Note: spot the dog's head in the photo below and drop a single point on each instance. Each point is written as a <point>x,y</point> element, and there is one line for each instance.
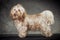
<point>17,12</point>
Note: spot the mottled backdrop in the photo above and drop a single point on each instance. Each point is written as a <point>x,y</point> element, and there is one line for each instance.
<point>31,6</point>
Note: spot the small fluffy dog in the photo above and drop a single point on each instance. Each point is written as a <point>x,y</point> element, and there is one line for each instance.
<point>25,22</point>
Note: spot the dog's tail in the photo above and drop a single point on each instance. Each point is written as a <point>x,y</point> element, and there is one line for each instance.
<point>49,15</point>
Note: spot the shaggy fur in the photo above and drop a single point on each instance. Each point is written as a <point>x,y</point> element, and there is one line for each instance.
<point>25,22</point>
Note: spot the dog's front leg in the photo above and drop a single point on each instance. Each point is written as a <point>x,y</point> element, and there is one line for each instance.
<point>22,31</point>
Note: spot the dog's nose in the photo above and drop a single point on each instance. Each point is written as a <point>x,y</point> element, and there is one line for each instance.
<point>14,14</point>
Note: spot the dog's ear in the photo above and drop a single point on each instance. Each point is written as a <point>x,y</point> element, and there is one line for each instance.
<point>24,15</point>
<point>11,15</point>
<point>21,9</point>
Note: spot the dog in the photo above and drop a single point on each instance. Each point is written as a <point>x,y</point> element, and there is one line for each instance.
<point>25,22</point>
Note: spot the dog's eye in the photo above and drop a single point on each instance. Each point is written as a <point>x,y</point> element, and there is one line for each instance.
<point>14,9</point>
<point>19,10</point>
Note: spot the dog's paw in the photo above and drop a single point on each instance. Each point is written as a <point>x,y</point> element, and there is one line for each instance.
<point>22,34</point>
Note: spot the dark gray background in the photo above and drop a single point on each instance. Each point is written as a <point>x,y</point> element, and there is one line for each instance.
<point>31,6</point>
